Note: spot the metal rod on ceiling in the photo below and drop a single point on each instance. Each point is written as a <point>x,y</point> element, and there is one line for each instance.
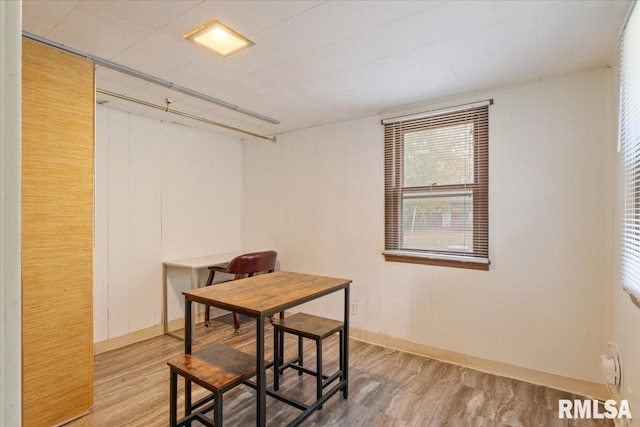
<point>151,79</point>
<point>183,114</point>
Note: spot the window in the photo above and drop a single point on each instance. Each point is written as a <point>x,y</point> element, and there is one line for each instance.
<point>630,146</point>
<point>436,187</point>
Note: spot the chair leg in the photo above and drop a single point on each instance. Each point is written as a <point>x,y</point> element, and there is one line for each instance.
<point>206,307</point>
<point>210,278</point>
<point>206,316</point>
<point>236,316</point>
<point>236,323</point>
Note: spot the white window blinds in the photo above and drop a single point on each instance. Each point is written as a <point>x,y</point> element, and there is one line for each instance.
<point>436,187</point>
<point>630,145</point>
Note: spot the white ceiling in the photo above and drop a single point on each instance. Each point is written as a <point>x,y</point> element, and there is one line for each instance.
<point>317,62</point>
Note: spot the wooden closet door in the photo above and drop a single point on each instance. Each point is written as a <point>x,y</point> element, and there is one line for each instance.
<point>57,234</point>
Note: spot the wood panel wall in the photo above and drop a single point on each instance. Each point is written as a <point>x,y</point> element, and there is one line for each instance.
<point>57,234</point>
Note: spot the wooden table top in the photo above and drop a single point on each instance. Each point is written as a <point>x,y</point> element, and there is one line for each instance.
<point>266,294</point>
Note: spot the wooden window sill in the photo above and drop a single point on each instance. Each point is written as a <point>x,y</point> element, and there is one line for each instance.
<point>442,262</point>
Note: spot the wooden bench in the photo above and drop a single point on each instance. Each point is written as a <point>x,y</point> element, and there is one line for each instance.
<point>217,368</point>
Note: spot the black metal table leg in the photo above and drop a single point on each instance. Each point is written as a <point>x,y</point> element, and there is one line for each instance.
<point>187,326</point>
<point>261,375</point>
<point>345,347</point>
<point>218,411</point>
<point>281,338</point>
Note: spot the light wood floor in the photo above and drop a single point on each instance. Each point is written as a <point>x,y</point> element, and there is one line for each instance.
<point>386,388</point>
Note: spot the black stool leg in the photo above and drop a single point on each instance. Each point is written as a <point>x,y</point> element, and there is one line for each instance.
<point>276,359</point>
<point>341,353</point>
<point>173,399</point>
<point>300,356</point>
<point>319,370</point>
<point>187,400</point>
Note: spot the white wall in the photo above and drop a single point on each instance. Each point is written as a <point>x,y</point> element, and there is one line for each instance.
<point>317,196</point>
<point>163,192</point>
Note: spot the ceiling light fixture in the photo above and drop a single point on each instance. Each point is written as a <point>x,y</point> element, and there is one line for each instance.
<point>219,38</point>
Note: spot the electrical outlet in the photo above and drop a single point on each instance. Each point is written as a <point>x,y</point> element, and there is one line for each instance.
<point>614,350</point>
<point>354,308</point>
<point>613,375</point>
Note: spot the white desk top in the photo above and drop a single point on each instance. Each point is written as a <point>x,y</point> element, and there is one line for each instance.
<point>202,261</point>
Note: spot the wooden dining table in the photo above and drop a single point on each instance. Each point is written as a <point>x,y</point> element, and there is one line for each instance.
<point>261,297</point>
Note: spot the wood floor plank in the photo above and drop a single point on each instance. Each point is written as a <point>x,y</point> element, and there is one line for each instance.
<point>387,388</point>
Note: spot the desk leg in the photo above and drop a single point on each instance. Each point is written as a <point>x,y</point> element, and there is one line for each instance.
<point>261,378</point>
<point>345,390</point>
<point>165,303</point>
<point>187,326</point>
<point>165,314</point>
<point>194,284</point>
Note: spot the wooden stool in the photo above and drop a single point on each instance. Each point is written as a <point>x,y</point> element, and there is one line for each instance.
<point>311,327</point>
<point>217,368</point>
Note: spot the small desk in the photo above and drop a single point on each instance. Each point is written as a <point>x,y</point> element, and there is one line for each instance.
<point>194,264</point>
<point>263,296</point>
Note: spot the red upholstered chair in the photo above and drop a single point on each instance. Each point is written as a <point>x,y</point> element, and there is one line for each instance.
<point>245,265</point>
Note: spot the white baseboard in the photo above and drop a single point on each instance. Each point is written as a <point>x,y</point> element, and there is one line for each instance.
<point>572,385</point>
<point>145,334</point>
<point>559,382</point>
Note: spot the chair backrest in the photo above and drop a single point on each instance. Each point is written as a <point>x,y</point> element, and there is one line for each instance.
<point>254,262</point>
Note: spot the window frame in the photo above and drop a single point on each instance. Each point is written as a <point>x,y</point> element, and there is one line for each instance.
<point>396,190</point>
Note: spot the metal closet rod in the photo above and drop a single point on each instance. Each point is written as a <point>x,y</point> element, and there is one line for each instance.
<point>151,79</point>
<point>180,113</point>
